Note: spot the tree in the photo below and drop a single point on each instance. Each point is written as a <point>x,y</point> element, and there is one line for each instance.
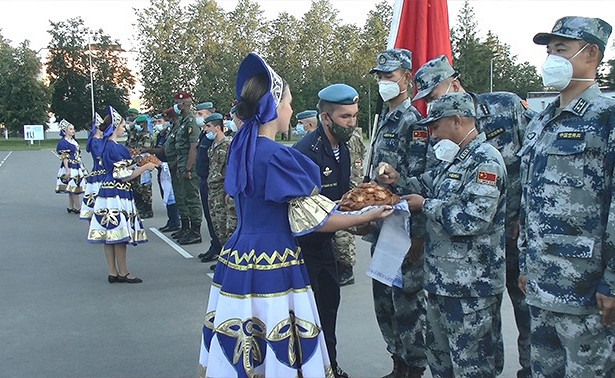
<point>23,95</point>
<point>472,58</point>
<point>163,37</point>
<point>68,67</point>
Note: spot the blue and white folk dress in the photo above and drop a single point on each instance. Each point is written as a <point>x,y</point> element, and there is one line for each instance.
<point>94,179</point>
<point>115,219</point>
<point>261,318</point>
<point>76,183</point>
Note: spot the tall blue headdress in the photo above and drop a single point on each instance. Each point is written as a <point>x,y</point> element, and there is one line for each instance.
<point>63,125</point>
<point>95,123</point>
<point>116,120</point>
<point>240,164</point>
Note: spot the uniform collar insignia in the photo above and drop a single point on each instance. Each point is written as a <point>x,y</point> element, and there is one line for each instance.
<point>580,106</point>
<point>327,171</point>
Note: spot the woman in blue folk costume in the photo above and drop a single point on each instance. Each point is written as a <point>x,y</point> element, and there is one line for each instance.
<point>261,318</point>
<point>72,173</point>
<point>115,221</point>
<point>94,146</point>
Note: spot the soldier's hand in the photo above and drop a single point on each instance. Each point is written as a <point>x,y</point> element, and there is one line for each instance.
<point>415,202</point>
<point>188,175</point>
<point>606,308</point>
<point>386,174</point>
<point>523,284</point>
<point>416,250</point>
<point>150,166</point>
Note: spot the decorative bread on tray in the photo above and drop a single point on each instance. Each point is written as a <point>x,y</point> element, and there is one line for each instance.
<point>367,194</point>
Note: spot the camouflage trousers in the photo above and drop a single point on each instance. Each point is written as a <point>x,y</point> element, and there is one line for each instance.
<point>223,216</point>
<point>400,313</point>
<point>344,248</point>
<point>566,345</point>
<point>191,201</point>
<point>520,310</point>
<point>460,336</point>
<point>143,196</point>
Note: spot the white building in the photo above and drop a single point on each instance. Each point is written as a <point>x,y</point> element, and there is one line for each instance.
<point>539,100</point>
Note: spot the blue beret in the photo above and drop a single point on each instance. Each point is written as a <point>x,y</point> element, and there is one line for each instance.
<point>342,94</point>
<point>205,105</point>
<point>214,117</point>
<point>307,114</point>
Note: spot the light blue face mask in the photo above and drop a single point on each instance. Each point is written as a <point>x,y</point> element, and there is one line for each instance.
<point>176,109</point>
<point>300,129</point>
<point>139,128</point>
<point>167,124</point>
<point>158,127</point>
<point>200,121</point>
<point>210,136</point>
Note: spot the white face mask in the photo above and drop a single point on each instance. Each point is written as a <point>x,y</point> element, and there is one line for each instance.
<point>158,127</point>
<point>557,71</point>
<point>200,121</point>
<point>389,89</point>
<point>446,149</point>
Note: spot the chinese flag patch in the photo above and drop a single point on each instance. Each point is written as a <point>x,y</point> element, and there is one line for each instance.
<point>525,105</point>
<point>420,135</point>
<point>487,178</point>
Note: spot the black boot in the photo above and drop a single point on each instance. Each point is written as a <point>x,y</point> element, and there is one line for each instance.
<point>173,219</point>
<point>183,231</point>
<point>193,237</point>
<point>345,273</point>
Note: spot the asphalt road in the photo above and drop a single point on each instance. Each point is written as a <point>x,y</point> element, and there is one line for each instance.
<point>60,318</point>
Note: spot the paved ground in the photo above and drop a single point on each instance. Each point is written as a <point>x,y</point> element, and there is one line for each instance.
<point>60,318</point>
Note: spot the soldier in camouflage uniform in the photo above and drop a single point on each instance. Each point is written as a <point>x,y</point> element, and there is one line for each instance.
<point>567,240</point>
<point>344,241</point>
<point>464,199</point>
<point>402,144</point>
<point>223,215</point>
<point>503,117</point>
<point>186,141</point>
<point>142,139</point>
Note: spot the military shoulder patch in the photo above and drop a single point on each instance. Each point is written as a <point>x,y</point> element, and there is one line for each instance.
<point>487,178</point>
<point>525,105</point>
<point>190,130</point>
<point>574,135</point>
<point>421,135</point>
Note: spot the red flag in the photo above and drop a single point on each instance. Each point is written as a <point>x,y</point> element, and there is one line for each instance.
<point>421,26</point>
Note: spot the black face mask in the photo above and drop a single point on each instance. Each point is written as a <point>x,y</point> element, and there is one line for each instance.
<point>340,133</point>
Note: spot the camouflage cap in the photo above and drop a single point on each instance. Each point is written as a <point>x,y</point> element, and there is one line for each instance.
<point>461,104</point>
<point>430,75</point>
<point>590,30</point>
<point>393,59</point>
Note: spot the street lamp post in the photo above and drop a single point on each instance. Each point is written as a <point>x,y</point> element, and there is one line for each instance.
<point>91,75</point>
<point>491,75</point>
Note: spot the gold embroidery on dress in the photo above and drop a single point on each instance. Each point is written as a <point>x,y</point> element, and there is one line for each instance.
<point>246,346</point>
<point>250,260</point>
<point>293,328</point>
<point>108,216</point>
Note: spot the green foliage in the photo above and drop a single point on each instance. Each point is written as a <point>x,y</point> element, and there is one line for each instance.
<point>198,48</point>
<point>23,96</point>
<point>68,67</point>
<point>472,58</point>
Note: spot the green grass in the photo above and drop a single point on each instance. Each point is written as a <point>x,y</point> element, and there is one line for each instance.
<point>16,144</point>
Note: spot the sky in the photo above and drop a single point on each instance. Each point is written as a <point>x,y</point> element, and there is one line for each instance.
<point>515,22</point>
